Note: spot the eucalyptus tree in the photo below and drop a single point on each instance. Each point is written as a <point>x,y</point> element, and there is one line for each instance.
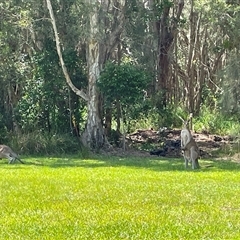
<point>167,16</point>
<point>230,76</point>
<point>13,18</point>
<point>105,23</point>
<point>123,86</point>
<point>204,44</point>
<point>33,91</point>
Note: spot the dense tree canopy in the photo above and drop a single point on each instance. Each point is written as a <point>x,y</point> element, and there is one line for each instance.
<point>188,49</point>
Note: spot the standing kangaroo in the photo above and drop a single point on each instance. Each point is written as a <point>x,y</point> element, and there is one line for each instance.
<point>7,152</point>
<point>188,145</point>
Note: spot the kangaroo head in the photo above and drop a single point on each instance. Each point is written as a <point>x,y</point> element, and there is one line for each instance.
<point>185,123</point>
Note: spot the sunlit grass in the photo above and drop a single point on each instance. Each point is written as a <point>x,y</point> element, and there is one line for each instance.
<point>119,198</point>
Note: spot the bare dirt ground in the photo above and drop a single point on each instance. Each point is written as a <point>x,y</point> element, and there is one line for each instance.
<point>166,142</point>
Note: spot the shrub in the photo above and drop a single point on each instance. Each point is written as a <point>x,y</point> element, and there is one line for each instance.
<point>216,123</point>
<point>37,143</point>
<point>3,130</point>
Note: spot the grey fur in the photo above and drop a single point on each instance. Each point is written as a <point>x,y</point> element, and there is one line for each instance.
<point>7,152</point>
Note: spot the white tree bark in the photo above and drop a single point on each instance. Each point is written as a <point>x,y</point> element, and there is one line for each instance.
<point>67,77</point>
<point>93,135</point>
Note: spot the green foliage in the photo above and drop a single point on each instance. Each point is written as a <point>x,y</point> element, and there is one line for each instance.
<point>114,138</point>
<point>213,121</point>
<point>3,130</point>
<point>155,118</point>
<point>37,143</point>
<point>124,83</point>
<point>229,102</point>
<point>13,65</point>
<point>119,198</point>
<point>34,92</point>
<point>76,67</point>
<point>45,93</point>
<point>47,100</point>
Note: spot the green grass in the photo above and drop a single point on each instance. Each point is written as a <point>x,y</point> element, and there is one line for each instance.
<point>119,198</point>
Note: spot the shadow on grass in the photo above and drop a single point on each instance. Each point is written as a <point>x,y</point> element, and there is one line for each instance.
<point>131,162</point>
<point>151,163</point>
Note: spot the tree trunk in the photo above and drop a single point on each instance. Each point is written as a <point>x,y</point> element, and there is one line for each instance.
<point>108,122</point>
<point>166,32</point>
<point>118,120</point>
<point>93,135</point>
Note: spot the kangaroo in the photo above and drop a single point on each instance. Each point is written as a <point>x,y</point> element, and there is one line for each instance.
<point>188,145</point>
<point>7,152</point>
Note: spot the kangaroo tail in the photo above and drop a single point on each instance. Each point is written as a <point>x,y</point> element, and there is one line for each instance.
<point>20,160</point>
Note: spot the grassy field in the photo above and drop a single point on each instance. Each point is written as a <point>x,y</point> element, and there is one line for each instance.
<point>119,198</point>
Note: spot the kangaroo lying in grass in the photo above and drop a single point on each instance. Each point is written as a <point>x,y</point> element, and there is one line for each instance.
<point>188,145</point>
<point>7,152</point>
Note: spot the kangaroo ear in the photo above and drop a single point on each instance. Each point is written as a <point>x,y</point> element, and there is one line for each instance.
<point>180,118</point>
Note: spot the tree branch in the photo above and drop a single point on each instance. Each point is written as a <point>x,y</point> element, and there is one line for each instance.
<point>67,77</point>
<point>113,39</point>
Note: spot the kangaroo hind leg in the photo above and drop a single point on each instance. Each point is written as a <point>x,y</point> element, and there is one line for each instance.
<point>194,158</point>
<point>10,158</point>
